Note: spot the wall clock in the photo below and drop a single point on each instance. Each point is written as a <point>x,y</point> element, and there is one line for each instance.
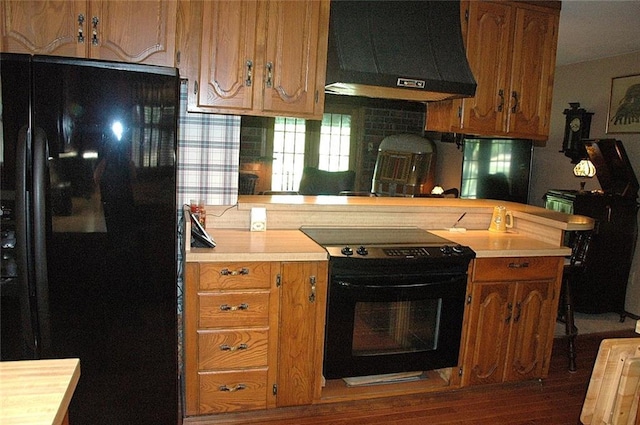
<point>576,129</point>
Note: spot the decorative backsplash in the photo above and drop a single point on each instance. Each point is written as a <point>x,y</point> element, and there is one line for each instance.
<point>208,156</point>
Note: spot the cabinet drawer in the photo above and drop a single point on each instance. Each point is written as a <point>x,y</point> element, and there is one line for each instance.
<point>232,349</point>
<point>222,310</point>
<point>235,275</point>
<point>515,269</point>
<point>233,391</point>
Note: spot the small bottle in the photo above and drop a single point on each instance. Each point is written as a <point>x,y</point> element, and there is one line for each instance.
<point>195,209</point>
<point>202,214</point>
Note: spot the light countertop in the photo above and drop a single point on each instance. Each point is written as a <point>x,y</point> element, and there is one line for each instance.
<point>508,244</point>
<point>37,392</point>
<point>293,245</point>
<point>272,245</point>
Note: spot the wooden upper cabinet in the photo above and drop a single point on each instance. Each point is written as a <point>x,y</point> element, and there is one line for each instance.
<point>489,54</point>
<point>228,56</point>
<point>511,48</point>
<point>41,27</point>
<point>255,57</point>
<point>295,65</point>
<point>534,51</point>
<point>134,31</point>
<point>126,31</point>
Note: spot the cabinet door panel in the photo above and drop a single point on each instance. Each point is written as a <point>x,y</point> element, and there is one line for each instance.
<point>43,27</point>
<point>291,56</point>
<point>301,304</point>
<point>134,31</point>
<point>489,37</point>
<point>529,331</point>
<point>228,61</point>
<point>532,73</point>
<point>488,334</point>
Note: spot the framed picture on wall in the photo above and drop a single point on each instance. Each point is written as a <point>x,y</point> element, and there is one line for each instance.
<point>624,105</point>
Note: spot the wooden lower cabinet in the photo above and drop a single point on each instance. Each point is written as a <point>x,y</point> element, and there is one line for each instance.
<point>250,335</point>
<point>254,331</point>
<point>511,314</point>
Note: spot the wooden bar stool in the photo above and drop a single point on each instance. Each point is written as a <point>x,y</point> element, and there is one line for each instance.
<point>574,266</point>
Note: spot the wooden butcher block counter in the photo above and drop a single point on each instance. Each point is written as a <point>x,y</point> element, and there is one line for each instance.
<point>37,392</point>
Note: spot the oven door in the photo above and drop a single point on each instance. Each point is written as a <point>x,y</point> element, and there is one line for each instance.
<point>393,323</point>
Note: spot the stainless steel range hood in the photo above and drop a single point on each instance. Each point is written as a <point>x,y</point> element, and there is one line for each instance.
<point>407,50</point>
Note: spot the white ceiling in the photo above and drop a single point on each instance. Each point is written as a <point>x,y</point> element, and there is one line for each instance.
<point>595,29</point>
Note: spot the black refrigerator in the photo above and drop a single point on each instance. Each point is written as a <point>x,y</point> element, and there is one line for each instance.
<point>89,230</point>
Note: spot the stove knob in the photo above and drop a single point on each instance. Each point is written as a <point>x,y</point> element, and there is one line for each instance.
<point>347,251</point>
<point>446,250</point>
<point>362,251</point>
<point>458,249</point>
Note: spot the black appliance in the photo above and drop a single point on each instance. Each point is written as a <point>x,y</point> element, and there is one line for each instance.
<point>602,287</point>
<point>404,50</point>
<point>395,302</point>
<point>89,230</point>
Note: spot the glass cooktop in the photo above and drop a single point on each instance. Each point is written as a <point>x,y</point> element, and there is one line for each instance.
<point>371,236</point>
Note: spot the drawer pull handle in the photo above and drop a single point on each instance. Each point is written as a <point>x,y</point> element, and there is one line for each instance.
<point>233,389</point>
<point>227,307</point>
<point>227,272</point>
<point>225,347</point>
<point>518,265</point>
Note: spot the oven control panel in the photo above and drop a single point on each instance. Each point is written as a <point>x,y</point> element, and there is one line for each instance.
<point>440,251</point>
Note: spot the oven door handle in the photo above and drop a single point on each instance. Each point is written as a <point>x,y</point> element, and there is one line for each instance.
<point>348,285</point>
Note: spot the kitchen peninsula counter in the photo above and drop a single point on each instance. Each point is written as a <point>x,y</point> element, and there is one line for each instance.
<point>293,245</point>
<point>536,231</point>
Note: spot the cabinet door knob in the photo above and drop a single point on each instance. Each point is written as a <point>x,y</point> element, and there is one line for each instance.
<point>248,80</point>
<point>269,82</point>
<point>514,108</point>
<point>94,36</point>
<point>501,96</point>
<point>81,28</point>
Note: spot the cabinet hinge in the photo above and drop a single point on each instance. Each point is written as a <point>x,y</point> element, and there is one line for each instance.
<point>460,372</point>
<point>469,299</point>
<point>275,389</point>
<point>317,96</point>
<point>466,15</point>
<point>178,58</point>
<point>459,111</point>
<point>278,279</point>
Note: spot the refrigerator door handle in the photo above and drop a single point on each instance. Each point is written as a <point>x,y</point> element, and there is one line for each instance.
<point>40,184</point>
<point>28,315</point>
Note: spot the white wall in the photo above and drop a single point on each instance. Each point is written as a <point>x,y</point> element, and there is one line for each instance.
<point>588,83</point>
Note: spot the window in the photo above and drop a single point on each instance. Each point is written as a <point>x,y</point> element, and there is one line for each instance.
<point>298,143</point>
<point>496,169</point>
<point>289,138</point>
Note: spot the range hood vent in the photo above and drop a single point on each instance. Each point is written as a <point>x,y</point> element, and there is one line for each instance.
<point>406,50</point>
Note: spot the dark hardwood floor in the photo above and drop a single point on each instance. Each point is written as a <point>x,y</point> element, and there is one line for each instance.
<point>556,400</point>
